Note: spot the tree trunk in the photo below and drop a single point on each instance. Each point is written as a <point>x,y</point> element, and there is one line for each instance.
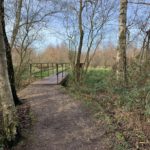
<point>17,23</point>
<point>78,69</point>
<point>6,99</point>
<point>148,46</point>
<point>121,51</point>
<point>10,65</point>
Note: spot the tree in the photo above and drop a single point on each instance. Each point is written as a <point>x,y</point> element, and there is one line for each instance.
<point>121,51</point>
<point>81,32</point>
<point>145,52</point>
<point>85,21</point>
<point>17,22</point>
<point>6,98</point>
<point>141,3</point>
<point>9,55</point>
<point>30,18</point>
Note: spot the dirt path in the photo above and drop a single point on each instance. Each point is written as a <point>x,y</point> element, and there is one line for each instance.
<point>61,123</point>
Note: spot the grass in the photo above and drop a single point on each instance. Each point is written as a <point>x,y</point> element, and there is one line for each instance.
<point>120,108</point>
<point>96,79</point>
<point>42,74</point>
<point>45,73</point>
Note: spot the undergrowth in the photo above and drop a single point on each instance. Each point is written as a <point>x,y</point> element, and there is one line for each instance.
<point>126,111</point>
<point>25,120</point>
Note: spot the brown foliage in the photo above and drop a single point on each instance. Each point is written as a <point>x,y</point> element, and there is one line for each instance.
<point>55,54</point>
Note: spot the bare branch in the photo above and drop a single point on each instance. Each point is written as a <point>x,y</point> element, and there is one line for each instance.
<point>140,3</point>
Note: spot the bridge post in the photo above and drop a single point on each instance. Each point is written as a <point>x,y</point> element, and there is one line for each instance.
<point>30,67</point>
<point>41,70</point>
<point>48,69</point>
<point>62,70</point>
<point>30,70</point>
<point>53,68</point>
<point>57,72</point>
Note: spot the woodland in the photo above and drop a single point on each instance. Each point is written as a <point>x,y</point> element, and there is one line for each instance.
<point>105,43</point>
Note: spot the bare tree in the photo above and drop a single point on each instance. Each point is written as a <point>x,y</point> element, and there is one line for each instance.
<point>145,51</point>
<point>81,32</point>
<point>30,18</point>
<point>27,33</point>
<point>8,52</point>
<point>139,2</point>
<point>100,15</point>
<point>84,23</point>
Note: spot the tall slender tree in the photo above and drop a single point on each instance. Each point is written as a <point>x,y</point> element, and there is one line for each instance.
<point>9,60</point>
<point>84,21</point>
<point>78,72</point>
<point>121,51</point>
<point>7,106</point>
<point>17,22</point>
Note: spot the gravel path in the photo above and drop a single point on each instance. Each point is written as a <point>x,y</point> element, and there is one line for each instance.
<point>61,122</point>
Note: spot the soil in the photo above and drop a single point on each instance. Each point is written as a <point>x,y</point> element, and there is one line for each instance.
<point>60,122</point>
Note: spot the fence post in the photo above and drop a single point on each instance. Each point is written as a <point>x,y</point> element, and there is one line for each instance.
<point>62,70</point>
<point>52,67</point>
<point>48,69</point>
<point>30,70</point>
<point>57,72</point>
<point>41,71</point>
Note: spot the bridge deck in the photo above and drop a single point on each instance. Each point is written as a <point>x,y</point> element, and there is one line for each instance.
<point>52,80</point>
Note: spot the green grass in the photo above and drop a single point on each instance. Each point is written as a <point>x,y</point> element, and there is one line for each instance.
<point>45,73</point>
<point>104,96</point>
<point>95,82</point>
<point>97,79</point>
<point>102,81</point>
<point>94,93</point>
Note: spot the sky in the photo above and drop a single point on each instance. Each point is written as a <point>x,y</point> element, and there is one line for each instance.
<point>54,32</point>
<point>53,35</point>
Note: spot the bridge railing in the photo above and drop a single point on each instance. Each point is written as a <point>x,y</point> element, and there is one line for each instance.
<point>61,69</point>
<point>40,70</point>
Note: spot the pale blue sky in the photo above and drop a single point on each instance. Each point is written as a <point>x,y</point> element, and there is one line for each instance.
<point>54,34</point>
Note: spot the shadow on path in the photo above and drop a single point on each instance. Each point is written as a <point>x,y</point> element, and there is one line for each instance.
<point>61,122</point>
